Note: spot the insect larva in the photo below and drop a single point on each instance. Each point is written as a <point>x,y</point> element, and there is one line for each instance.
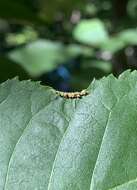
<point>72,95</point>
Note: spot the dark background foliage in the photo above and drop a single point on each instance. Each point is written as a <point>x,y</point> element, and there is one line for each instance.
<point>65,44</point>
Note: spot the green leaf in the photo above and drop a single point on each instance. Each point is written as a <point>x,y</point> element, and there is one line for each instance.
<point>48,142</point>
<point>120,41</point>
<point>43,55</point>
<point>32,125</point>
<point>91,32</point>
<point>74,50</point>
<point>102,65</point>
<point>28,34</point>
<point>129,36</point>
<point>113,44</point>
<point>39,56</point>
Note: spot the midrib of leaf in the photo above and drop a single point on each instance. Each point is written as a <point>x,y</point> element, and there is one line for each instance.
<point>100,146</point>
<point>101,143</point>
<point>23,132</point>
<point>10,159</point>
<point>52,171</point>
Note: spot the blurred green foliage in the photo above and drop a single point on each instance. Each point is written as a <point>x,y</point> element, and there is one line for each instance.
<point>91,32</point>
<point>44,55</point>
<point>69,41</point>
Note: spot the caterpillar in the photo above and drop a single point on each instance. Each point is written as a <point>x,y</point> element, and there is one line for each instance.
<point>72,95</point>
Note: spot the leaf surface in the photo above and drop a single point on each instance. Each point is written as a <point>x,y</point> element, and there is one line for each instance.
<point>49,142</point>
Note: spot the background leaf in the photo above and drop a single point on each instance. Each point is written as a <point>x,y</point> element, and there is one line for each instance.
<point>91,32</point>
<point>39,56</point>
<point>129,37</point>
